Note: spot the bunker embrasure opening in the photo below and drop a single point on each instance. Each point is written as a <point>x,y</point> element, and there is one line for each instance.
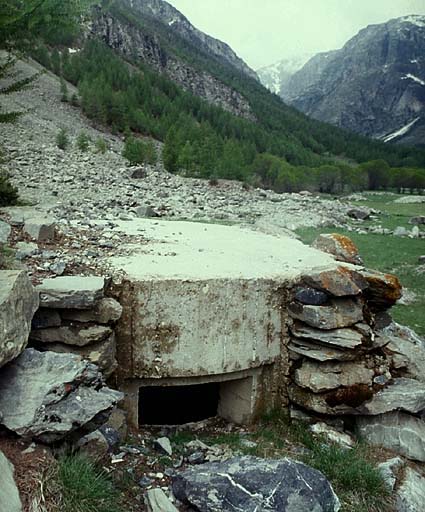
<point>176,405</point>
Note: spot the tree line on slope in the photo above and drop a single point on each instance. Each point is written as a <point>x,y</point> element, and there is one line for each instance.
<point>202,140</point>
<point>303,134</point>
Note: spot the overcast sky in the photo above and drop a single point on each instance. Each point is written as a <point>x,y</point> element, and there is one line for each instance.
<point>265,31</point>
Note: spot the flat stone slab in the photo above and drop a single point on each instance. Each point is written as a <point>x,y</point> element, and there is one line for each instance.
<point>72,335</point>
<point>401,394</point>
<point>319,377</point>
<point>191,250</point>
<point>339,313</point>
<point>342,338</point>
<point>320,352</point>
<point>71,292</point>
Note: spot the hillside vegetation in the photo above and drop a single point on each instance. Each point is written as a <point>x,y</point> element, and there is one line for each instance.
<point>283,150</point>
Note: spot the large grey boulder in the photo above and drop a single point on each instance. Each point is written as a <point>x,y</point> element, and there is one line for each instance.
<point>254,485</point>
<point>47,396</point>
<point>71,292</point>
<point>397,431</point>
<point>18,303</point>
<point>411,493</point>
<point>9,494</point>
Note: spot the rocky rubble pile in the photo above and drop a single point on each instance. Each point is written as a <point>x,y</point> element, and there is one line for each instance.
<point>75,317</point>
<point>350,360</point>
<point>48,395</point>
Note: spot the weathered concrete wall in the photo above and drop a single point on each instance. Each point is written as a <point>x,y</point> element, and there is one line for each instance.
<point>193,328</point>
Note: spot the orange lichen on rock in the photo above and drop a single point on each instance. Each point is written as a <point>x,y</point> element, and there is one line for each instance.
<point>340,246</point>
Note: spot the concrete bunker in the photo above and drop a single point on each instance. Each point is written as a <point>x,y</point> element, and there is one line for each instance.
<point>205,314</point>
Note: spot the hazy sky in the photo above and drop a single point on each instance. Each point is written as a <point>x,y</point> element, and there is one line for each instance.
<point>265,31</point>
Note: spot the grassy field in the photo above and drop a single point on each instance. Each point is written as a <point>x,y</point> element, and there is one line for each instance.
<point>387,253</point>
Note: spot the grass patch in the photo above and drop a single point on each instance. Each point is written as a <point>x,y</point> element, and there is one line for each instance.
<point>387,253</point>
<point>352,473</point>
<point>84,487</point>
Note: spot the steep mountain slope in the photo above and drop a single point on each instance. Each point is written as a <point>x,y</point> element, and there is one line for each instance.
<point>142,30</point>
<point>374,85</point>
<point>144,34</point>
<point>174,19</point>
<point>276,76</point>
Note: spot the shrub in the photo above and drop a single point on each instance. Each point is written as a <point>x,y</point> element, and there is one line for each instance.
<point>101,145</point>
<point>83,141</point>
<point>62,140</point>
<point>8,193</point>
<point>74,100</point>
<point>138,152</point>
<point>84,487</point>
<point>64,91</point>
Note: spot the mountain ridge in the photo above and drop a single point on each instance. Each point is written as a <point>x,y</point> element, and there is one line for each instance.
<point>374,85</point>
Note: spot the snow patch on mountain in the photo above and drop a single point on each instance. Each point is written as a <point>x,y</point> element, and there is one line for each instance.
<point>415,19</point>
<point>414,78</point>
<point>400,132</point>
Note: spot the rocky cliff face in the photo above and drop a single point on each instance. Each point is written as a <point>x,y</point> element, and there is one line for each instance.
<point>374,85</point>
<point>171,17</point>
<point>133,41</point>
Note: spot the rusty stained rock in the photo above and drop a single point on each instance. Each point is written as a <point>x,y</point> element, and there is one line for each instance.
<point>338,402</point>
<point>383,290</point>
<point>339,313</point>
<point>340,246</point>
<point>361,399</point>
<point>341,282</point>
